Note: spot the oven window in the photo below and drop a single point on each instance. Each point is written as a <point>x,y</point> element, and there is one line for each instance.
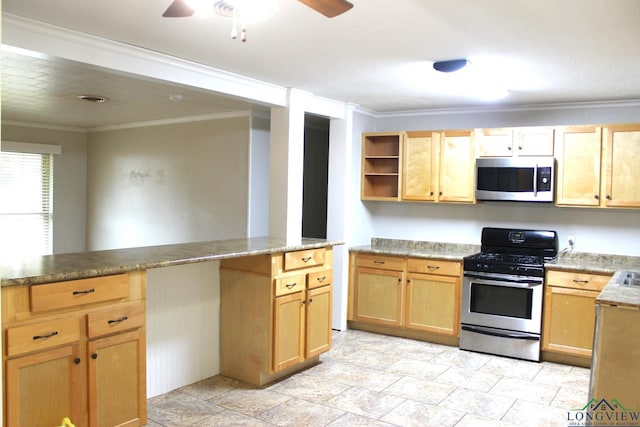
<point>509,179</point>
<point>501,300</point>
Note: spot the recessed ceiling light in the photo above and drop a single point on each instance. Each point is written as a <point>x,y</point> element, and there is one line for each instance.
<point>93,98</point>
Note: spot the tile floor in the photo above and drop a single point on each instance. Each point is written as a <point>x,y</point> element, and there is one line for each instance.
<point>375,380</point>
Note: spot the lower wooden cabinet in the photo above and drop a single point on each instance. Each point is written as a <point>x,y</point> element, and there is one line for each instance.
<point>406,293</point>
<point>44,387</point>
<point>569,311</point>
<point>275,314</point>
<point>85,361</point>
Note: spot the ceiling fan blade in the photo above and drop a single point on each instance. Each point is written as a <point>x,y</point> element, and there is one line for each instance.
<point>178,9</point>
<point>328,8</point>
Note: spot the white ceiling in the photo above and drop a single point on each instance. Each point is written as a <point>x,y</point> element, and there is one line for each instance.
<point>377,55</point>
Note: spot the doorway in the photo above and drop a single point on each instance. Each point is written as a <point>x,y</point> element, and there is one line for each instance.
<point>315,176</point>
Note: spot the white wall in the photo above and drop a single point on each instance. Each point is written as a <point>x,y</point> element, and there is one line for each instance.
<point>613,231</point>
<point>165,184</point>
<point>69,181</point>
<point>259,177</point>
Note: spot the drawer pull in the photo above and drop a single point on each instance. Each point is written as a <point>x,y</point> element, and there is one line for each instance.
<point>88,291</point>
<point>378,262</point>
<point>321,279</point>
<point>41,337</point>
<point>580,281</point>
<point>77,360</point>
<point>120,320</point>
<point>433,267</point>
<point>306,259</point>
<point>291,285</point>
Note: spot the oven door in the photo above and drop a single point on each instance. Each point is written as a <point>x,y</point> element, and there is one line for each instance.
<point>502,301</point>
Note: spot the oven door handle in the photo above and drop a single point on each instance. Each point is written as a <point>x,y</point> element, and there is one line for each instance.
<point>505,334</point>
<point>503,281</point>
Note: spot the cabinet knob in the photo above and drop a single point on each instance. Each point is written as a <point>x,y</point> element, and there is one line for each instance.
<point>94,356</point>
<point>596,197</point>
<point>509,148</point>
<point>608,196</point>
<point>440,193</point>
<point>76,360</point>
<point>520,147</point>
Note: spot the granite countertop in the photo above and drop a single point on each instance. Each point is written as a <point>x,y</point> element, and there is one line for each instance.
<point>80,265</point>
<point>621,295</point>
<point>417,249</point>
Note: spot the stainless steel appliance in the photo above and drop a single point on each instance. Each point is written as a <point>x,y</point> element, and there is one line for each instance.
<point>522,179</point>
<point>502,292</point>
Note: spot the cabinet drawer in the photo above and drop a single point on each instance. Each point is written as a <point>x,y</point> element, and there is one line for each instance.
<point>118,319</point>
<point>432,266</point>
<point>72,293</point>
<point>290,284</point>
<point>42,335</point>
<point>320,278</point>
<point>577,280</point>
<point>302,259</point>
<point>380,261</point>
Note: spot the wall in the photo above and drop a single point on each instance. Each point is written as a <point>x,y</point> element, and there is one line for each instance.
<point>259,177</point>
<point>69,181</point>
<point>596,230</point>
<point>168,184</point>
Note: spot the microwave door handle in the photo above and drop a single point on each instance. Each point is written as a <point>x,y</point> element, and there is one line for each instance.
<point>535,181</point>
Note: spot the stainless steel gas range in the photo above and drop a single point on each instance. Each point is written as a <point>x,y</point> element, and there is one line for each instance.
<point>502,292</point>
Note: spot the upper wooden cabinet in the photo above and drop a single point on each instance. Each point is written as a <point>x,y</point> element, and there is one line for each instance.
<point>438,166</point>
<point>577,151</point>
<point>620,160</point>
<point>381,153</point>
<point>597,166</point>
<point>510,142</point>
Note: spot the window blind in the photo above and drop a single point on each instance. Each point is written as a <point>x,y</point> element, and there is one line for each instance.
<point>25,204</point>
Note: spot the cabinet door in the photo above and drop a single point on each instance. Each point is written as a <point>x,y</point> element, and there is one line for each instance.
<point>318,321</point>
<point>419,166</point>
<point>433,303</point>
<point>457,166</point>
<point>578,151</point>
<point>533,141</point>
<point>622,150</point>
<point>117,380</point>
<point>43,388</point>
<point>378,296</point>
<point>495,142</point>
<point>288,338</point>
<point>569,319</point>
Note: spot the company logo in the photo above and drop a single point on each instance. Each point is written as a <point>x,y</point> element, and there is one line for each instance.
<point>603,413</point>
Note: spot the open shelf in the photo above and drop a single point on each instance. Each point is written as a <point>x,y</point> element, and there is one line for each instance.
<point>381,165</point>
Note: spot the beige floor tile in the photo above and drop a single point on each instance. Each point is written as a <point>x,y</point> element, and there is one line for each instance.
<point>570,399</point>
<point>526,390</point>
<point>354,375</point>
<point>417,368</point>
<point>371,358</point>
<point>473,380</point>
<point>351,420</point>
<point>298,412</point>
<point>512,368</point>
<point>563,378</point>
<point>479,403</point>
<point>365,402</point>
<point>229,418</point>
<point>308,387</point>
<point>250,401</point>
<point>532,414</point>
<point>211,387</point>
<point>179,409</point>
<point>472,420</point>
<point>461,359</point>
<point>420,389</point>
<point>418,414</point>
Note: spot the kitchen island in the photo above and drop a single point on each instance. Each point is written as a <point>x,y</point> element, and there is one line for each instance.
<point>159,308</point>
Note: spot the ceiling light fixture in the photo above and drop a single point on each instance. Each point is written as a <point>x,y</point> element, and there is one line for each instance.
<point>93,98</point>
<point>450,66</point>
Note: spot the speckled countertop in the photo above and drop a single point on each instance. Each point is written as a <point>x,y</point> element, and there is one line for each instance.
<point>417,249</point>
<point>568,261</point>
<point>53,268</point>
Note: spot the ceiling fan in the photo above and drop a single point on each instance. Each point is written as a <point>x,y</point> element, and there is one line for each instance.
<point>329,8</point>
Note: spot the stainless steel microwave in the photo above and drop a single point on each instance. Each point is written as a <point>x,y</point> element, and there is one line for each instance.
<point>521,179</point>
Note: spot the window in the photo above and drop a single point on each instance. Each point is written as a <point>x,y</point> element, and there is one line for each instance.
<point>26,215</point>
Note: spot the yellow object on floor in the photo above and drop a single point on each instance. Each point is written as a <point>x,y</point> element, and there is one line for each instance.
<point>66,422</point>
